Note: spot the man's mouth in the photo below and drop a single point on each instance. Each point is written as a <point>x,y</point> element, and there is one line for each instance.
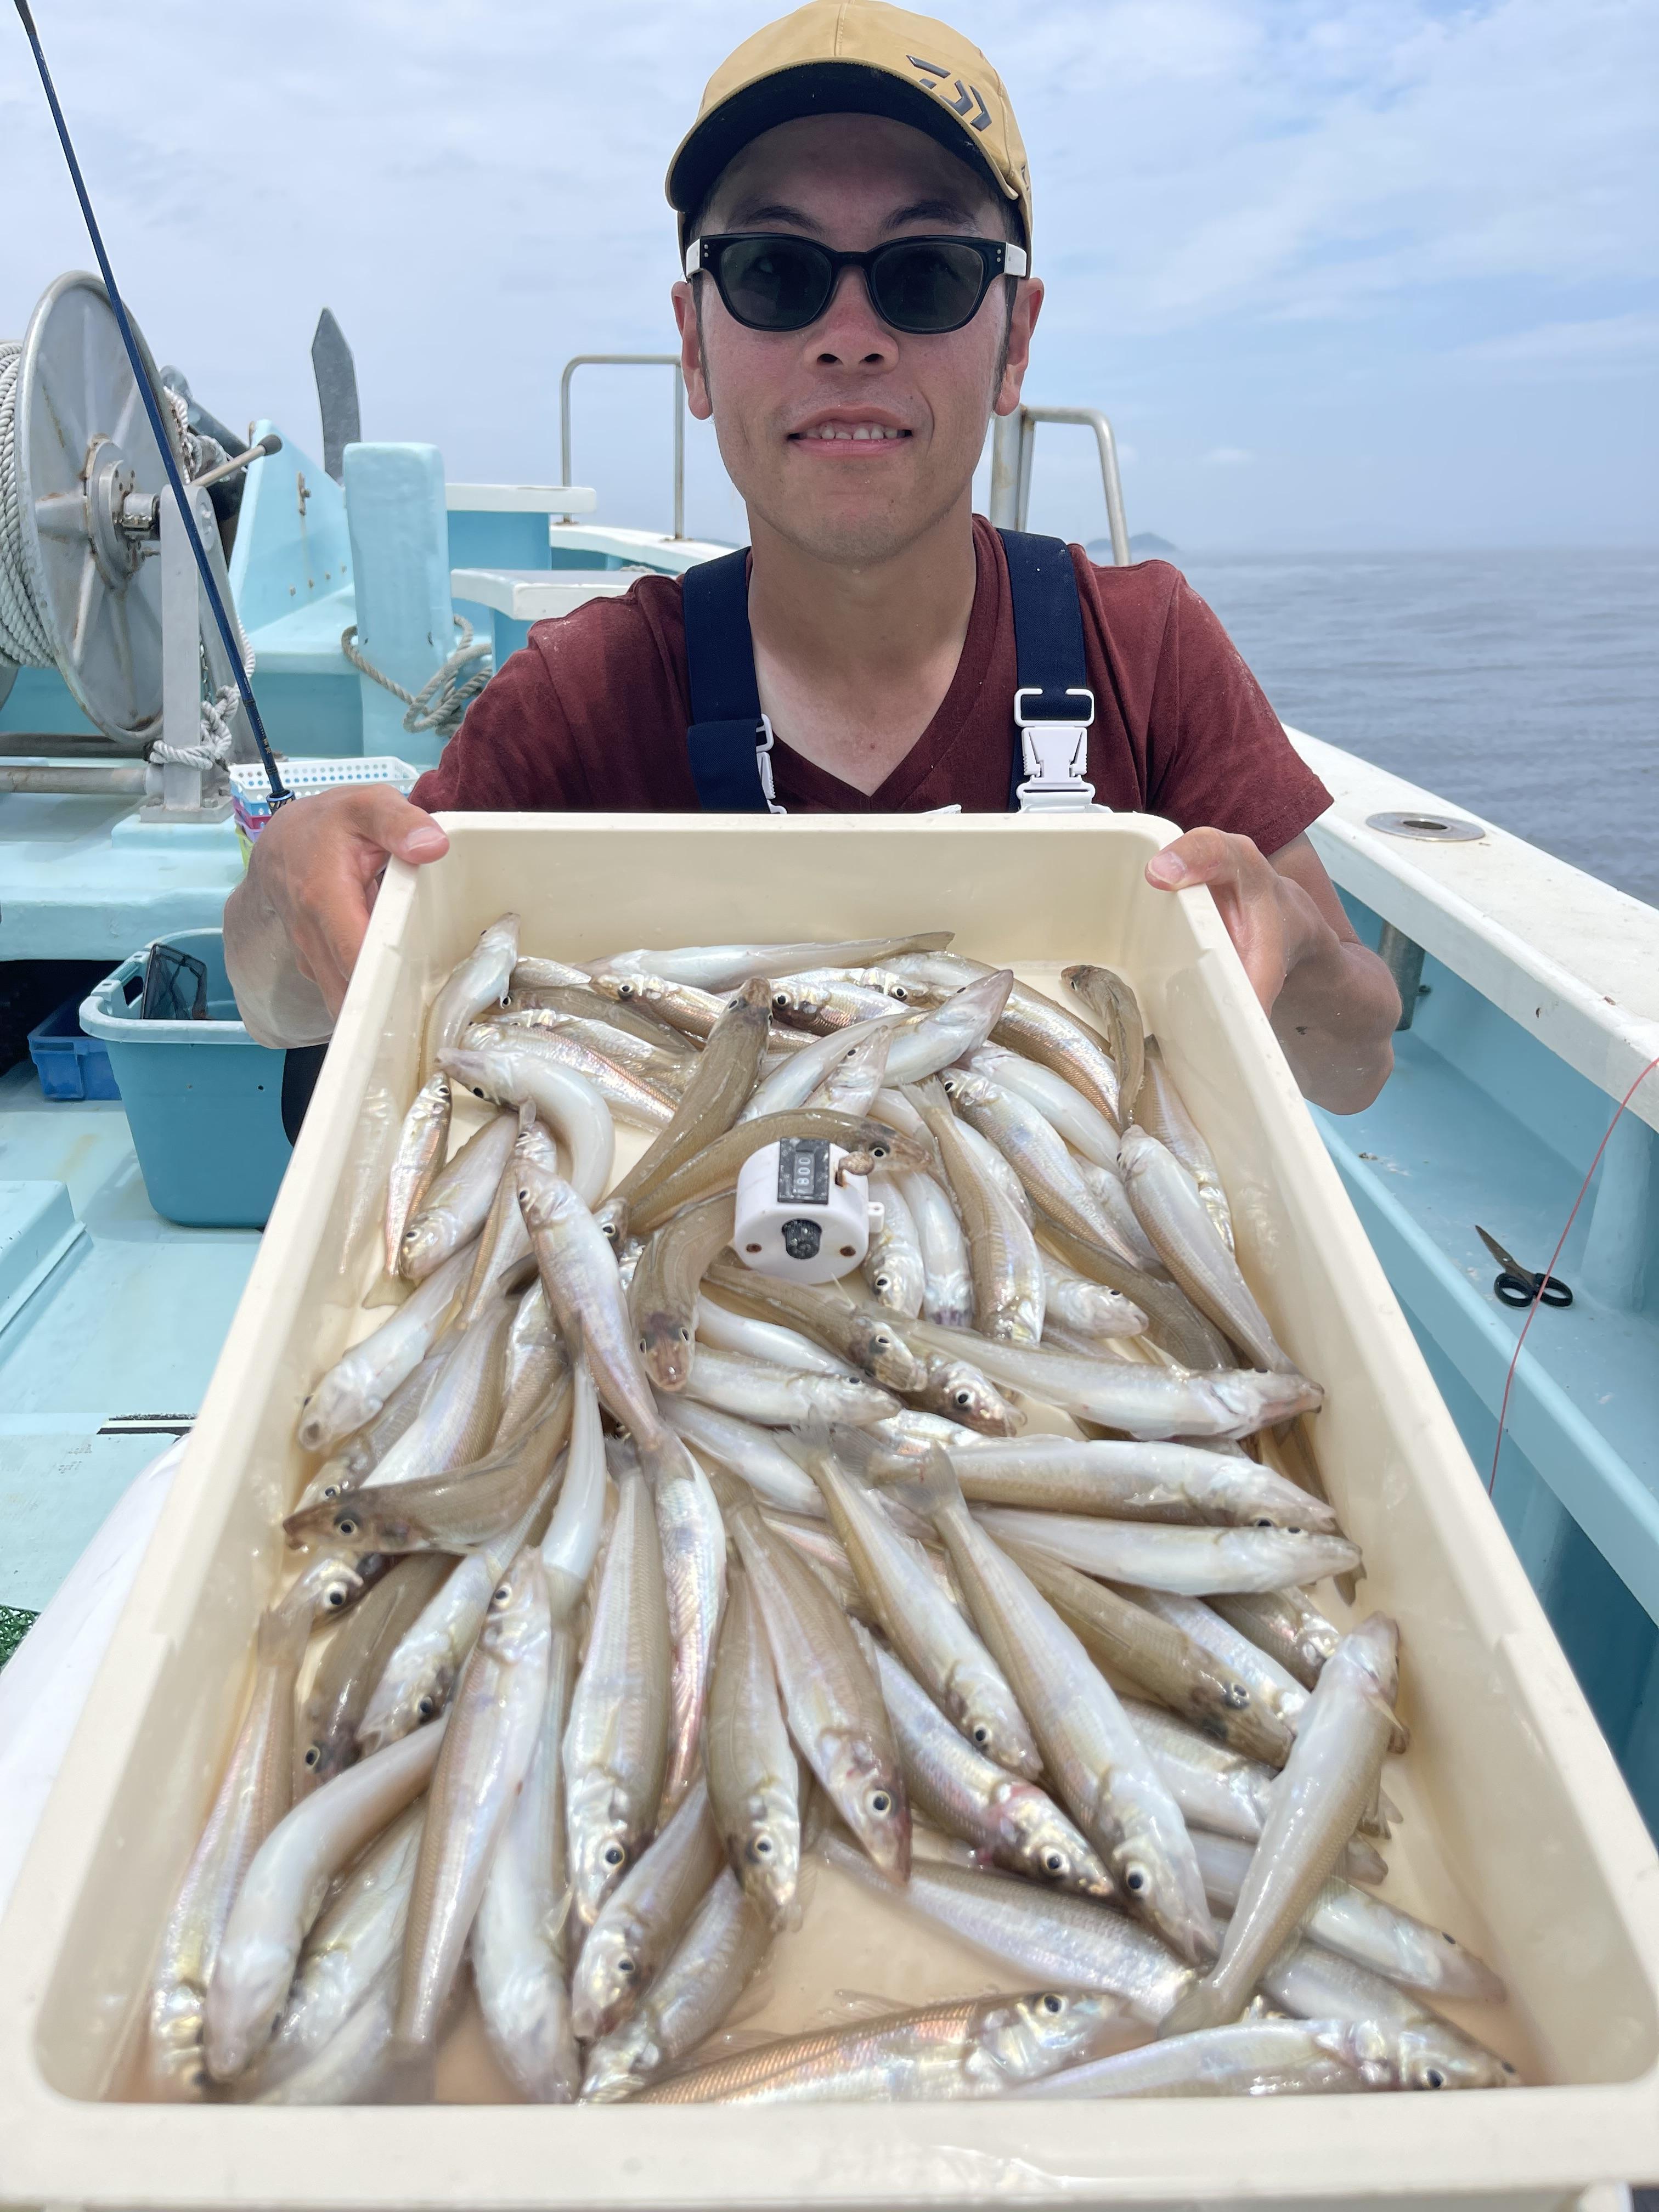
<point>848,433</point>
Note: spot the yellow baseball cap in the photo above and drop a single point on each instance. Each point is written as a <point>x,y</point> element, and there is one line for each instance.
<point>862,57</point>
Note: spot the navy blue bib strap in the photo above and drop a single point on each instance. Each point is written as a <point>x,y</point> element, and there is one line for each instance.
<point>729,740</point>
<point>1053,706</point>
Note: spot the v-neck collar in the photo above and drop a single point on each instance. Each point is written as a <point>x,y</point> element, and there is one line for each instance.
<point>801,783</point>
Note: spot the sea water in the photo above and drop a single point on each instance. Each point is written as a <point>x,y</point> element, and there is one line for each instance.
<point>1523,684</point>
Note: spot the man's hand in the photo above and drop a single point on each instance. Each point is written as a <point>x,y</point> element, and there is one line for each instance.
<point>1332,1002</point>
<point>299,914</point>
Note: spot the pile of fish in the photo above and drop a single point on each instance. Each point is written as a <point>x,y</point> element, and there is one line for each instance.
<point>651,1587</point>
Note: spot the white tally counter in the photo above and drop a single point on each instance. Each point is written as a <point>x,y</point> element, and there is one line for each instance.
<point>799,1213</point>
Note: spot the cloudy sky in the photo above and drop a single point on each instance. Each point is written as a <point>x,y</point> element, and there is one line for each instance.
<point>1344,273</point>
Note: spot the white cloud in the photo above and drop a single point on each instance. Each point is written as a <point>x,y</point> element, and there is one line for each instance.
<point>1614,345</point>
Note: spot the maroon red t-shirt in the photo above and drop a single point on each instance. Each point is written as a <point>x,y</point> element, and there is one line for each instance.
<point>592,716</point>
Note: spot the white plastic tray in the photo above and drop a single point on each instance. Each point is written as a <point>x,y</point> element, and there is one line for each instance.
<point>1518,1828</point>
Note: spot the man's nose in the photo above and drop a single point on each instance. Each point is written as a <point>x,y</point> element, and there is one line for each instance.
<point>849,332</point>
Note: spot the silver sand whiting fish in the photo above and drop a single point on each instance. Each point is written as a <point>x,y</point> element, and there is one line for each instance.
<point>588,1713</point>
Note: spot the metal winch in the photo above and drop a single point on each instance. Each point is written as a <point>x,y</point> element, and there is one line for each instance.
<point>97,576</point>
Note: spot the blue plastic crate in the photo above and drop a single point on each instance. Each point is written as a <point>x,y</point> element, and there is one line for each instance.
<point>72,1065</point>
<point>204,1103</point>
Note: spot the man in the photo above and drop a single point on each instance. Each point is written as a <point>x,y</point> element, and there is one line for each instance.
<point>851,390</point>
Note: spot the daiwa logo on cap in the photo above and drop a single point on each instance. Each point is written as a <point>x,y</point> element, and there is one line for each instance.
<point>967,94</point>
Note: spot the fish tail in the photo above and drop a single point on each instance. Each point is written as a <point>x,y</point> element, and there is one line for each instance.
<point>406,2075</point>
<point>938,1491</point>
<point>1200,2008</point>
<point>732,1495</point>
<point>853,1450</point>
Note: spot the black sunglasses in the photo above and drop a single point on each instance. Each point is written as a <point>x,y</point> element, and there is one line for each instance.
<point>770,281</point>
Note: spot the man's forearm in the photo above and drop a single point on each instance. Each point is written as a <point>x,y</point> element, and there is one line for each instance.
<point>280,1005</point>
<point>1335,1018</point>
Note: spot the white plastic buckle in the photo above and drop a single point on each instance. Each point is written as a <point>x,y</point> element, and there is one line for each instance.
<point>1056,754</point>
<point>763,765</point>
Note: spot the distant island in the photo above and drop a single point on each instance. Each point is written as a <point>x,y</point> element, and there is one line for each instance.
<point>1144,545</point>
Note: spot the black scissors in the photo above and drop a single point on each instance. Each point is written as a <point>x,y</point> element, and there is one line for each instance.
<point>1518,1285</point>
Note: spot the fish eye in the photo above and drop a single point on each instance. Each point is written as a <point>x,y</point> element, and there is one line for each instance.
<point>880,1802</point>
<point>684,1336</point>
<point>1134,1879</point>
<point>503,1595</point>
<point>314,1757</point>
<point>761,1847</point>
<point>645,1343</point>
<point>1053,1862</point>
<point>900,992</point>
<point>337,1595</point>
<point>626,1966</point>
<point>1238,1696</point>
<point>877,1151</point>
<point>1433,2078</point>
<point>962,1397</point>
<point>625,990</point>
<point>613,1854</point>
<point>982,1734</point>
<point>426,1707</point>
<point>1261,1521</point>
<point>779,998</point>
<point>346,1525</point>
<point>610,1228</point>
<point>1051,2003</point>
<point>332,1491</point>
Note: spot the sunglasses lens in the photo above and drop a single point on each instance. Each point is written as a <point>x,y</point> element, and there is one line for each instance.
<point>930,285</point>
<point>775,283</point>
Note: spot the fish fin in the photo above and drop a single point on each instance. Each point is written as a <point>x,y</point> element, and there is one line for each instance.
<point>1198,2010</point>
<point>938,1491</point>
<point>731,1493</point>
<point>815,1433</point>
<point>860,2005</point>
<point>406,2075</point>
<point>930,1092</point>
<point>852,1449</point>
<point>1363,1861</point>
<point>665,1459</point>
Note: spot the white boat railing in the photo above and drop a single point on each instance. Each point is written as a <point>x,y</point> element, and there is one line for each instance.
<point>630,361</point>
<point>1014,442</point>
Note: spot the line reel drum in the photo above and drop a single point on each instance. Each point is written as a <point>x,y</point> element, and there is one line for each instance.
<point>84,510</point>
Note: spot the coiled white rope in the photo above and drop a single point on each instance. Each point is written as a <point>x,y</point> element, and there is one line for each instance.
<point>24,636</point>
<point>213,744</point>
<point>447,694</point>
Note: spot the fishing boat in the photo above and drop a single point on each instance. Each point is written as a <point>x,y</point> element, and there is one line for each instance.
<point>373,597</point>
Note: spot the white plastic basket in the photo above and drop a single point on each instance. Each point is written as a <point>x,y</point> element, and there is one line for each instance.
<point>250,786</point>
<point>1517,1829</point>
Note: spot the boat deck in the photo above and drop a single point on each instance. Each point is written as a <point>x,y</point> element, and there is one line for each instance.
<point>109,1357</point>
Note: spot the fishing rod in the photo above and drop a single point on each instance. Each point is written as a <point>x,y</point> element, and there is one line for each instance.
<point>280,793</point>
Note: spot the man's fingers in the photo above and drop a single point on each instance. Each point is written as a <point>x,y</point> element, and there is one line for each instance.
<point>1201,856</point>
<point>387,820</point>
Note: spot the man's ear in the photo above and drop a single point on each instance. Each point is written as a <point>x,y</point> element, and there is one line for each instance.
<point>690,329</point>
<point>1016,354</point>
